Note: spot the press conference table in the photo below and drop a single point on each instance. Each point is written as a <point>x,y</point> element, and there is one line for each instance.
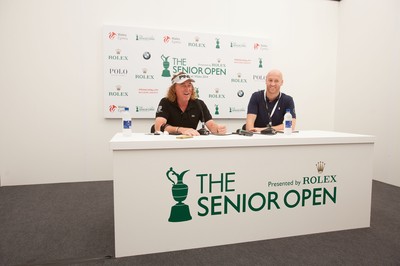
<point>173,194</point>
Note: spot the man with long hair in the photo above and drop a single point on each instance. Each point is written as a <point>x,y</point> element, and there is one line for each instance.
<point>180,111</point>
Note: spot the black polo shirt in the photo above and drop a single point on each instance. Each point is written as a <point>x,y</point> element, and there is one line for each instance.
<point>258,106</point>
<point>190,118</point>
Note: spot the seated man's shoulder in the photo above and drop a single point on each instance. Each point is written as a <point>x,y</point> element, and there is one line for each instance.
<point>286,96</point>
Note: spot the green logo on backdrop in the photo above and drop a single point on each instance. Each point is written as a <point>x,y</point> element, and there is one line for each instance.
<point>217,43</point>
<point>179,212</point>
<point>166,64</point>
<point>216,109</point>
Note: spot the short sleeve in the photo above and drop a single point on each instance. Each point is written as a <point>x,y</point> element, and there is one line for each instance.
<point>252,107</point>
<point>162,109</point>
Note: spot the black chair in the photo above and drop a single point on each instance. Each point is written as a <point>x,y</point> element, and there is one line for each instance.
<point>152,129</point>
<point>244,126</point>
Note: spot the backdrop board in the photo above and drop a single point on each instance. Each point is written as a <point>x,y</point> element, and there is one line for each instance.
<point>139,64</point>
<point>172,194</point>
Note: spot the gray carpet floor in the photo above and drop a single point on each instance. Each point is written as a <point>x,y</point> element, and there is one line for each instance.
<point>73,224</point>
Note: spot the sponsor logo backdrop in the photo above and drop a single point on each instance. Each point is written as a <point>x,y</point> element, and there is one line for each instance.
<point>139,64</point>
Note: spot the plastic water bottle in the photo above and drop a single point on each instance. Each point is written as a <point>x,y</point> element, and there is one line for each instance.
<point>287,123</point>
<point>126,122</point>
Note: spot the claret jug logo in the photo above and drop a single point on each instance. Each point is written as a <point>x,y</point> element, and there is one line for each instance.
<point>166,64</point>
<point>216,109</point>
<point>217,45</point>
<point>179,212</point>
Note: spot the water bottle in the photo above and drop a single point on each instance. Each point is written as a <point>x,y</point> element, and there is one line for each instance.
<point>287,123</point>
<point>126,122</point>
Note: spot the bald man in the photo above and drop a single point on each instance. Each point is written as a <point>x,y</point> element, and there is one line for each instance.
<point>269,105</point>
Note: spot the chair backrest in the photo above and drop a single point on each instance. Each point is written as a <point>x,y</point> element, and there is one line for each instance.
<point>244,126</point>
<point>152,129</point>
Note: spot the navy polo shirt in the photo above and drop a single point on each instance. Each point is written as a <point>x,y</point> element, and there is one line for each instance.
<point>258,106</point>
<point>190,118</point>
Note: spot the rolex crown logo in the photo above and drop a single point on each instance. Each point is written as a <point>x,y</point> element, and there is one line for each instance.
<point>118,87</point>
<point>118,51</point>
<point>239,75</point>
<point>144,70</point>
<point>320,167</point>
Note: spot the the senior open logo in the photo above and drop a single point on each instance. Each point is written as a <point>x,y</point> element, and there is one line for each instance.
<point>179,212</point>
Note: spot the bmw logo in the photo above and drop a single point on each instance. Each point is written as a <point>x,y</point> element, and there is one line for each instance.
<point>146,55</point>
<point>240,93</point>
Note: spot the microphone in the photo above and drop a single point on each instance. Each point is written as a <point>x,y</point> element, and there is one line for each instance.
<point>244,132</point>
<point>269,130</point>
<point>202,130</point>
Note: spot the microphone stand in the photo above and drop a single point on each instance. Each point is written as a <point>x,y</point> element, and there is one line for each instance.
<point>203,130</point>
<point>269,130</point>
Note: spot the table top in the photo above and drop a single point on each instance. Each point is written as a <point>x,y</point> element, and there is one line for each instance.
<point>140,141</point>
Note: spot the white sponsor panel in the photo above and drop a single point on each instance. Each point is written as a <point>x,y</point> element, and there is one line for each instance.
<point>139,64</point>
